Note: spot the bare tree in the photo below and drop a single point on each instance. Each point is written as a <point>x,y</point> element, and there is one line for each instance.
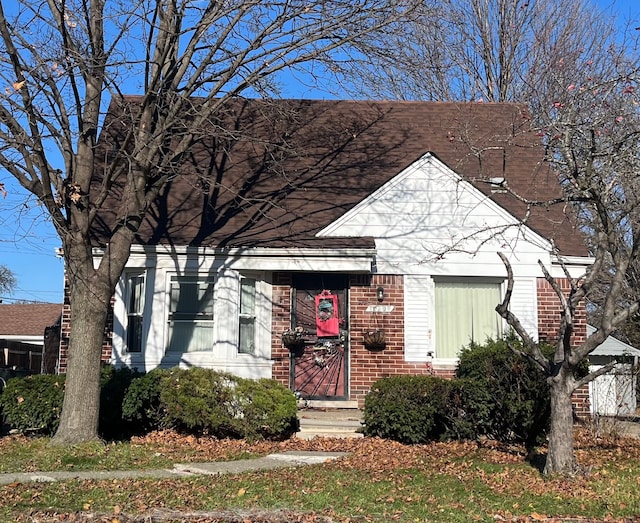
<point>64,61</point>
<point>591,134</point>
<point>578,73</point>
<point>7,280</point>
<point>485,50</point>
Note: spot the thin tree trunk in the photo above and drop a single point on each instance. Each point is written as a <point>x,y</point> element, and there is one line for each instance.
<point>81,407</point>
<point>560,457</point>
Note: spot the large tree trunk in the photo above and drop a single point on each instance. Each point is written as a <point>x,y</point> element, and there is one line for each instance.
<point>560,458</point>
<point>81,407</point>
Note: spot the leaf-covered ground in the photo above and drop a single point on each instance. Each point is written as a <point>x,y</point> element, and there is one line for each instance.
<point>379,481</point>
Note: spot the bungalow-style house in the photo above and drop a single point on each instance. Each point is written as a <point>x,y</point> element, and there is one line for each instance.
<point>327,244</point>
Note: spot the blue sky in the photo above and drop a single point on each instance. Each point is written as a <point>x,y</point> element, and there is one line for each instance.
<point>28,241</point>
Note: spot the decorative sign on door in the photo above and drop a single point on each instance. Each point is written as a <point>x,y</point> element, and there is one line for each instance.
<point>327,322</point>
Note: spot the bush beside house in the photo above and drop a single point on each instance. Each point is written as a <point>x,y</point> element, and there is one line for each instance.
<point>195,400</point>
<point>34,403</point>
<point>495,394</point>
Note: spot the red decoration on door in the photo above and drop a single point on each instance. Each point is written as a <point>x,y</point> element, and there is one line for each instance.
<point>327,314</point>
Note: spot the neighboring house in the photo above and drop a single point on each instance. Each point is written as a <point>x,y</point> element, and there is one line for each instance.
<point>24,329</point>
<point>614,393</point>
<point>339,218</point>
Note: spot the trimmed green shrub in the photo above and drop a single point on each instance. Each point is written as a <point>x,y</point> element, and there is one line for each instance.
<point>515,405</point>
<point>33,403</point>
<point>114,383</point>
<point>469,407</point>
<point>199,401</point>
<point>141,406</point>
<point>265,409</point>
<point>408,409</point>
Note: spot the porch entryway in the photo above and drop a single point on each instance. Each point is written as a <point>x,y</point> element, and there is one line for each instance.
<point>319,368</point>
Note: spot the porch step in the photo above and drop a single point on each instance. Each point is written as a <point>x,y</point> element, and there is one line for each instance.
<point>329,423</point>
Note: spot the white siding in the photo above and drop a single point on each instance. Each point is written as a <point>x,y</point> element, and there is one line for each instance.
<point>427,220</point>
<point>524,304</point>
<point>419,318</point>
<point>223,355</point>
<point>227,291</point>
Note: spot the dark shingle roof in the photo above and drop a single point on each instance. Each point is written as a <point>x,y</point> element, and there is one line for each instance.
<point>273,174</point>
<point>28,319</point>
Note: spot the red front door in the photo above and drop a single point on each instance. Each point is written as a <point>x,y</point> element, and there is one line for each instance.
<point>319,371</point>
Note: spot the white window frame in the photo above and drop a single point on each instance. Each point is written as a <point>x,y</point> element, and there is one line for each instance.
<point>129,314</point>
<point>248,318</point>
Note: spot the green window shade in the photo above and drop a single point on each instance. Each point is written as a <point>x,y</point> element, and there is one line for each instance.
<point>465,312</point>
<point>190,314</point>
<point>247,317</point>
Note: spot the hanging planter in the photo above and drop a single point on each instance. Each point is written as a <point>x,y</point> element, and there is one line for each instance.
<point>293,339</point>
<point>375,340</point>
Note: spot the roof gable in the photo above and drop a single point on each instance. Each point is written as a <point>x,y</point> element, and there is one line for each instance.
<point>612,346</point>
<point>276,173</point>
<point>435,204</point>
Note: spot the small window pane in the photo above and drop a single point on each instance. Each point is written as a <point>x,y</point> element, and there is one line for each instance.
<point>190,314</point>
<point>135,307</point>
<point>247,320</point>
<point>191,298</point>
<point>191,336</point>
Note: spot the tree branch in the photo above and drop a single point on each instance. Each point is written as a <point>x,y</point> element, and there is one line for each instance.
<point>502,309</point>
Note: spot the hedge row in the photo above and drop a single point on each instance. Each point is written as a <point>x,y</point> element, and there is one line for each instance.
<point>192,400</point>
<point>495,393</point>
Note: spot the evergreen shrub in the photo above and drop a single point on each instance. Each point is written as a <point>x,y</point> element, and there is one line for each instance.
<point>199,401</point>
<point>265,409</point>
<point>141,406</point>
<point>195,400</point>
<point>515,404</point>
<point>468,410</point>
<point>114,383</point>
<point>408,409</point>
<point>34,403</point>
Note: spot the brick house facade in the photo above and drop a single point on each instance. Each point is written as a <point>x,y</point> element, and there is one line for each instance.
<point>377,195</point>
<point>366,366</point>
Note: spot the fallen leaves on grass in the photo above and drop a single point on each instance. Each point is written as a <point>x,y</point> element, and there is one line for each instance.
<point>274,516</point>
<point>502,469</point>
<point>175,516</point>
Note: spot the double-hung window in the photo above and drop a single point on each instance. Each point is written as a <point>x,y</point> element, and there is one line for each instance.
<point>190,314</point>
<point>247,317</point>
<point>135,307</point>
<point>465,313</point>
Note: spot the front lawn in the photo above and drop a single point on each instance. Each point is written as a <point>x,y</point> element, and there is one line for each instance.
<point>379,481</point>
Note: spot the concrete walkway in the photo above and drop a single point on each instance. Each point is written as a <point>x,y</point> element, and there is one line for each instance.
<point>270,462</point>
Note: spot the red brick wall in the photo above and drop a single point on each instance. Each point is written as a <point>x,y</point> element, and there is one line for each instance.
<point>581,403</point>
<point>368,366</point>
<point>549,315</point>
<point>280,322</point>
<point>65,330</point>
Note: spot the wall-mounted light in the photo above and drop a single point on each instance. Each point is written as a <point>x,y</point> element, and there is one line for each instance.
<point>380,293</point>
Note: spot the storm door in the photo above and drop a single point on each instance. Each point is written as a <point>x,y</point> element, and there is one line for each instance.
<point>320,311</point>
